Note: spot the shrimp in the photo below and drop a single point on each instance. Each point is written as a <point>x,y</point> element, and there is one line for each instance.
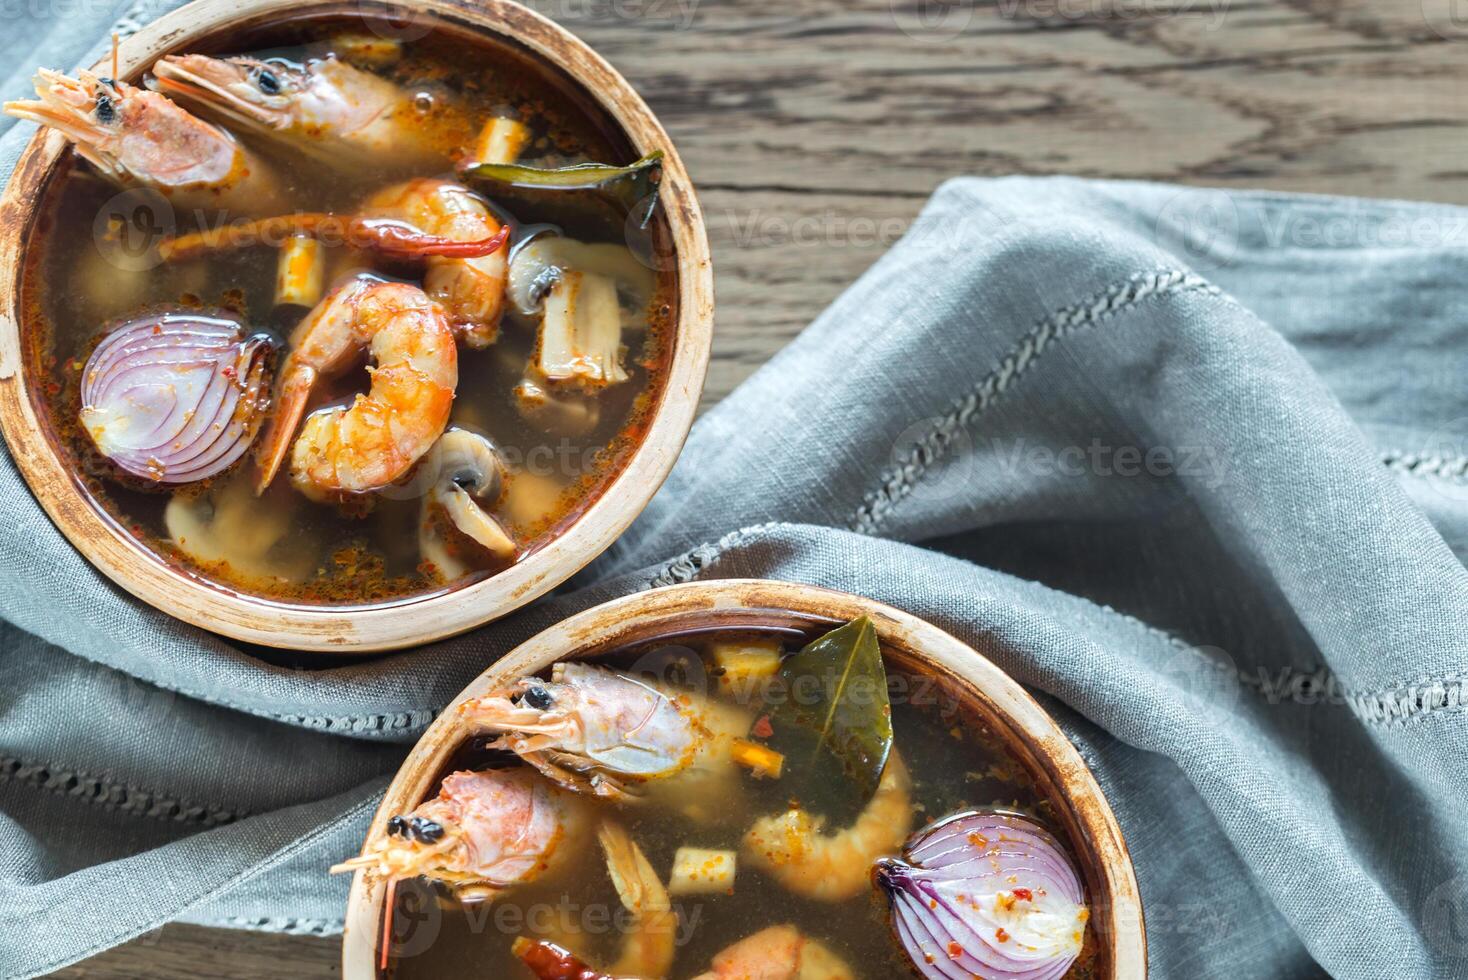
<point>324,106</point>
<point>600,731</point>
<point>832,867</point>
<point>471,290</point>
<point>777,953</point>
<point>139,138</point>
<point>445,225</point>
<point>378,439</point>
<point>484,833</point>
<point>647,949</point>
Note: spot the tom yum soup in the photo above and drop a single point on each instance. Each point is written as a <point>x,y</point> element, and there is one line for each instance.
<point>741,805</point>
<point>335,318</point>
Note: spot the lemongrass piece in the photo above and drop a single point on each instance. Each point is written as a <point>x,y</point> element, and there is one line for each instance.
<point>299,272</point>
<point>761,760</point>
<point>367,50</point>
<point>741,664</point>
<point>702,871</point>
<point>581,332</point>
<point>501,141</point>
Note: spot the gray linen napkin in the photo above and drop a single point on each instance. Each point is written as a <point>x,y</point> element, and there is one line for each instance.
<point>1189,464</point>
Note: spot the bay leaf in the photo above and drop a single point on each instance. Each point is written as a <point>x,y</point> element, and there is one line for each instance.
<point>632,189</point>
<point>834,709</point>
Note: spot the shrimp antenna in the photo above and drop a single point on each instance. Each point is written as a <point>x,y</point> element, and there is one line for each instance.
<point>115,43</point>
<point>389,900</point>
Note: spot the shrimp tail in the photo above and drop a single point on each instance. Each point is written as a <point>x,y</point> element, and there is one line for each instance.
<point>295,391</point>
<point>386,236</point>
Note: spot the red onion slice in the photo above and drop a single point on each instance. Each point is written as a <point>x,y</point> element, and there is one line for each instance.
<point>176,396</point>
<point>986,894</point>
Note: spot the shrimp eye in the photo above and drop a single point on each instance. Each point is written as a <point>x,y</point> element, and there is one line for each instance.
<point>268,82</point>
<point>104,109</point>
<point>538,698</point>
<point>426,830</point>
<point>397,827</point>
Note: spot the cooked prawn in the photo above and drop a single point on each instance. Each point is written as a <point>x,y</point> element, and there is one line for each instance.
<point>791,848</point>
<point>601,731</point>
<point>648,947</point>
<point>483,833</point>
<point>777,953</point>
<point>378,439</point>
<point>324,107</point>
<point>139,138</point>
<point>444,224</point>
<point>471,290</point>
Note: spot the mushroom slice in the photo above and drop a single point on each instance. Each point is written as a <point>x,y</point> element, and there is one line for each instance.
<point>228,523</point>
<point>559,413</point>
<point>466,475</point>
<point>539,264</point>
<point>581,332</point>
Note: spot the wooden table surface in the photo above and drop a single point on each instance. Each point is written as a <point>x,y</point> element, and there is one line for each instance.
<point>815,129</point>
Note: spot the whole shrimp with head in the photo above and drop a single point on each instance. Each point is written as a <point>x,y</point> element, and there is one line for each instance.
<point>605,732</point>
<point>324,107</point>
<point>484,833</point>
<point>138,138</point>
<point>378,438</point>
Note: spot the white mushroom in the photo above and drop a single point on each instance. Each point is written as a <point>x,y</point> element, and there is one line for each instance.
<point>560,413</point>
<point>465,475</point>
<point>539,264</point>
<point>228,523</point>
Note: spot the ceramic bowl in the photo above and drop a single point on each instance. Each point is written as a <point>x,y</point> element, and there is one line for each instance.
<point>175,590</point>
<point>910,645</point>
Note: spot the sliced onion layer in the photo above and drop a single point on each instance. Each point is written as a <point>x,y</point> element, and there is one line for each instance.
<point>988,894</point>
<point>176,396</point>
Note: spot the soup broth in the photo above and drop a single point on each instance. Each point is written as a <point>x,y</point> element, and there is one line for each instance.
<point>94,263</point>
<point>955,762</point>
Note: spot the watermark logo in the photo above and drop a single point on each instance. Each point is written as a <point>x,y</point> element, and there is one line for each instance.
<point>1441,460</point>
<point>1021,458</point>
<point>1205,677</point>
<point>1446,18</point>
<point>932,21</point>
<point>941,449</point>
<point>392,20</point>
<point>646,236</point>
<point>1445,917</point>
<point>129,226</point>
<point>1203,226</point>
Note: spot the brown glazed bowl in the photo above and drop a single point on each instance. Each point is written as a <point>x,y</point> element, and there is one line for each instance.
<point>909,644</point>
<point>404,622</point>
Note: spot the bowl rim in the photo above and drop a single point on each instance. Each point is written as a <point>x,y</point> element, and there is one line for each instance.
<point>1032,733</point>
<point>413,620</point>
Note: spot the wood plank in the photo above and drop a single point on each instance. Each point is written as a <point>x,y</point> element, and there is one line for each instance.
<point>815,129</point>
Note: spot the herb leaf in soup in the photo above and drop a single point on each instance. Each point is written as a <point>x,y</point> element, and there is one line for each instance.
<point>631,187</point>
<point>835,699</point>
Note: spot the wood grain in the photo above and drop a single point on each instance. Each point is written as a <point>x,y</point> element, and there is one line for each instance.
<point>815,129</point>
